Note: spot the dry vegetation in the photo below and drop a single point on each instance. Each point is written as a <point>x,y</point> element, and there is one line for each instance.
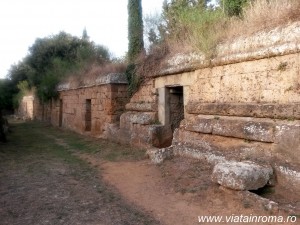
<point>89,75</point>
<point>201,37</point>
<point>263,15</point>
<point>257,16</point>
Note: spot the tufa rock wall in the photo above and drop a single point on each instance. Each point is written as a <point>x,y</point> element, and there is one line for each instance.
<point>242,105</point>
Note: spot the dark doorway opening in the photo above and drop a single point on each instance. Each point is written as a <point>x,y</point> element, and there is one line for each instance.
<point>60,113</point>
<point>176,106</point>
<point>88,115</point>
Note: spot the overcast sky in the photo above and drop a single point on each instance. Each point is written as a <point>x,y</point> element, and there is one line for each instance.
<point>22,21</point>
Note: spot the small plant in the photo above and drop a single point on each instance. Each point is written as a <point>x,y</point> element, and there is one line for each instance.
<point>282,66</point>
<point>247,140</point>
<point>290,118</point>
<point>216,117</point>
<point>156,122</point>
<point>289,89</point>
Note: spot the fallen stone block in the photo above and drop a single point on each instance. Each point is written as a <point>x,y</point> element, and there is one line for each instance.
<point>159,155</point>
<point>245,175</point>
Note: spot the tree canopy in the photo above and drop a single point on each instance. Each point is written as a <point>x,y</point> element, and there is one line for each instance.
<point>52,58</point>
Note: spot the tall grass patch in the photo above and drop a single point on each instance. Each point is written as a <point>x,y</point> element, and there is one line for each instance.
<point>263,15</point>
<point>203,28</point>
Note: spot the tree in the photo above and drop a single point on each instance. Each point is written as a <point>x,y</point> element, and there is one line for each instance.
<point>135,29</point>
<point>174,11</point>
<point>7,90</point>
<point>51,58</point>
<point>135,42</point>
<point>233,7</point>
<point>85,35</point>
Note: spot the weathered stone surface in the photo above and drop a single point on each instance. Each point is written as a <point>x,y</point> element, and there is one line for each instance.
<point>259,46</point>
<point>276,111</point>
<point>145,94</point>
<point>26,107</point>
<point>242,175</point>
<point>224,109</point>
<point>141,136</point>
<point>129,118</point>
<point>112,78</point>
<point>287,139</point>
<point>161,136</point>
<point>142,107</point>
<point>106,103</point>
<point>288,174</point>
<point>285,40</point>
<point>199,145</point>
<point>246,128</point>
<point>200,123</point>
<point>114,133</point>
<point>213,157</point>
<point>157,156</point>
<point>238,127</point>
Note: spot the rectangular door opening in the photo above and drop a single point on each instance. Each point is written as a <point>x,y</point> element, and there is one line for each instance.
<point>60,119</point>
<point>176,106</point>
<point>88,115</point>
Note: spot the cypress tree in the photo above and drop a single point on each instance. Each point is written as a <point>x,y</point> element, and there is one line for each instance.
<point>135,29</point>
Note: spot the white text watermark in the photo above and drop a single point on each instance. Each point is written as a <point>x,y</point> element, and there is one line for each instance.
<point>247,219</point>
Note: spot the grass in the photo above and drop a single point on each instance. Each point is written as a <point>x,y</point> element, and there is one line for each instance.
<point>201,31</point>
<point>62,143</point>
<point>264,15</point>
<point>39,157</point>
<point>33,144</point>
<point>28,138</point>
<point>102,148</point>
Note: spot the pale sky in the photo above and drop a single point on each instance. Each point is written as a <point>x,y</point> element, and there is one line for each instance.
<point>22,21</point>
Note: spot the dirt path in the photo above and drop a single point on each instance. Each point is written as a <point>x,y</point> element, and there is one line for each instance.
<point>146,188</point>
<point>41,182</point>
<point>51,176</point>
<point>177,192</point>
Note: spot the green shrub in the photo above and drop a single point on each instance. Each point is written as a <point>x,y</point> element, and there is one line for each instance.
<point>233,7</point>
<point>202,28</point>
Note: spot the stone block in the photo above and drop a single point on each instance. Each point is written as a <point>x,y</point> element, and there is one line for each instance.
<point>246,128</point>
<point>296,111</point>
<point>287,139</point>
<point>157,156</point>
<point>232,148</point>
<point>200,123</point>
<point>284,111</point>
<point>140,136</point>
<point>242,176</point>
<point>143,117</point>
<point>161,136</point>
<point>141,106</point>
<point>270,110</point>
<point>125,122</point>
<point>265,110</point>
<point>116,134</point>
